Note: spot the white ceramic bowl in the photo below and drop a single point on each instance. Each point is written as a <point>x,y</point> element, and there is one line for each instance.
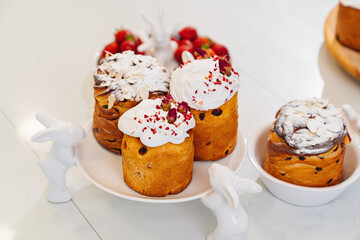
<point>299,195</point>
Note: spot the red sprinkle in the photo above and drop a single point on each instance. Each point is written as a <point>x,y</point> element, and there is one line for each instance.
<point>135,118</point>
<point>146,116</point>
<point>226,88</point>
<point>167,128</point>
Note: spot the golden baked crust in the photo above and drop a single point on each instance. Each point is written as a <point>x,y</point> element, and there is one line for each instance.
<point>215,132</point>
<point>319,170</point>
<point>348,27</point>
<point>105,119</point>
<point>157,171</point>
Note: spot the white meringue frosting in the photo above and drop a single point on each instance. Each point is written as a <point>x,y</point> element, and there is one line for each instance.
<point>148,122</point>
<point>310,126</point>
<point>201,84</point>
<point>131,76</point>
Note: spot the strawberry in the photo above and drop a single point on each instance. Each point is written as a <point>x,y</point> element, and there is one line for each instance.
<point>176,39</point>
<point>128,45</point>
<point>187,43</point>
<point>111,48</point>
<point>188,33</point>
<point>122,35</point>
<point>179,51</point>
<point>138,40</point>
<point>202,42</point>
<point>210,52</point>
<point>219,49</point>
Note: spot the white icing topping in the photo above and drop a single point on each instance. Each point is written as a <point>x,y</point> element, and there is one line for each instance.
<point>131,76</point>
<point>201,84</point>
<point>311,126</point>
<point>148,122</point>
<point>351,3</point>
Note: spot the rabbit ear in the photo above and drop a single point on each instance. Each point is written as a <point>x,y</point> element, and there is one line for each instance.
<point>246,185</point>
<point>146,46</point>
<point>43,136</point>
<point>46,119</point>
<point>161,15</point>
<point>231,196</point>
<point>147,19</point>
<point>174,29</point>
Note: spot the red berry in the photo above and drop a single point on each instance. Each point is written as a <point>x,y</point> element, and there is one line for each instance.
<point>128,45</point>
<point>122,35</point>
<point>187,43</point>
<point>176,40</point>
<point>179,51</point>
<point>188,33</point>
<point>138,40</point>
<point>111,48</point>
<point>202,42</point>
<point>219,49</point>
<point>210,52</point>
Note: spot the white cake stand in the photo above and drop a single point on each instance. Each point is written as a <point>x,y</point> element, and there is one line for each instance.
<point>104,169</point>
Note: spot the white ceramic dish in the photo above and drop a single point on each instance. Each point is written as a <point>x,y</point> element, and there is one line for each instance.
<point>299,195</point>
<point>104,169</point>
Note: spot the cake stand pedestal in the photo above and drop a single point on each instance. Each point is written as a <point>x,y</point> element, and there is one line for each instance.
<point>216,184</point>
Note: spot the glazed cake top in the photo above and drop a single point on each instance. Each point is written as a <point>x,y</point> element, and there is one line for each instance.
<point>351,3</point>
<point>158,121</point>
<point>202,85</point>
<point>132,77</point>
<point>310,126</point>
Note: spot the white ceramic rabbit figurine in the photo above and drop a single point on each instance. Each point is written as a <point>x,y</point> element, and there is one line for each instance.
<point>224,202</point>
<point>160,40</point>
<point>61,155</point>
<point>353,122</point>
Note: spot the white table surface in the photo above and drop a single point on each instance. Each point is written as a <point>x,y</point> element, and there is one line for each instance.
<point>47,57</point>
